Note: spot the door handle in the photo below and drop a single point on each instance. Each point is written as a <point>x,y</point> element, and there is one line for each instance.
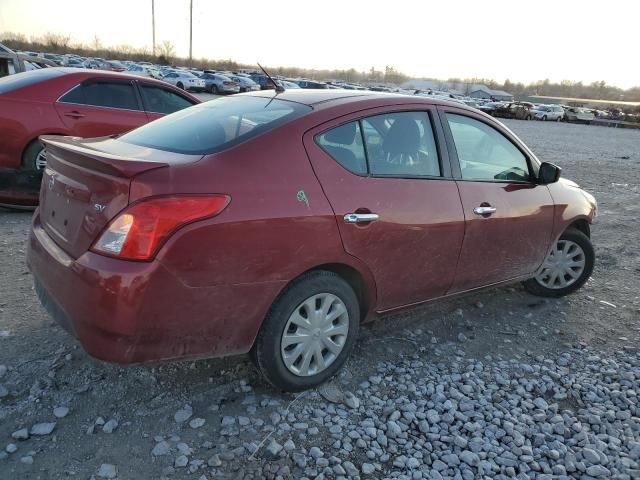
<point>360,217</point>
<point>74,114</point>
<point>484,210</point>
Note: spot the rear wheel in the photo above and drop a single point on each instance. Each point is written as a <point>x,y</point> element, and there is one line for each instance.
<point>34,157</point>
<point>308,332</point>
<point>544,118</point>
<point>559,119</point>
<point>214,89</point>
<point>567,267</point>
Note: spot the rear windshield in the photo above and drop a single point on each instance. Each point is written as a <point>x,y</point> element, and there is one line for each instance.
<point>25,79</point>
<point>215,125</point>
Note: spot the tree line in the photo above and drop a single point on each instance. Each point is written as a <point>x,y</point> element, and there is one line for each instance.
<point>165,54</point>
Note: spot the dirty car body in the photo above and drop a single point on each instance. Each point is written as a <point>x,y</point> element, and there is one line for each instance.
<point>265,189</point>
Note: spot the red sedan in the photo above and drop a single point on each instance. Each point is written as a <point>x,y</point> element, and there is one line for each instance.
<point>276,223</point>
<point>71,101</point>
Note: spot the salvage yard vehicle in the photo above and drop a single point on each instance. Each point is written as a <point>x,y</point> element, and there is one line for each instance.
<point>219,84</point>
<point>71,101</point>
<point>547,112</point>
<point>185,81</point>
<point>517,110</point>
<point>578,115</point>
<point>12,62</point>
<point>275,223</point>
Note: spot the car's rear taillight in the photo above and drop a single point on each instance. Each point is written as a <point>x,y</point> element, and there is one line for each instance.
<point>138,232</point>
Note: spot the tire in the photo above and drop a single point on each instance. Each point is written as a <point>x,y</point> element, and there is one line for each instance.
<point>559,119</point>
<point>544,118</point>
<point>528,117</point>
<point>214,89</point>
<point>537,287</point>
<point>268,350</point>
<point>180,86</point>
<point>31,159</point>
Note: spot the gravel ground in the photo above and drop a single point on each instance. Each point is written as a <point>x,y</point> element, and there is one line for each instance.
<point>499,384</point>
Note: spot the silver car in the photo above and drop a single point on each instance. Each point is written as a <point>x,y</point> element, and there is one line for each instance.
<point>547,112</point>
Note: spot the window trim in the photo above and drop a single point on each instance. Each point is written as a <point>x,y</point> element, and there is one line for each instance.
<point>104,80</point>
<point>439,138</point>
<point>532,162</point>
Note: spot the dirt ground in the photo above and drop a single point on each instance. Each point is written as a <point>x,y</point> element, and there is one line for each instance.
<point>47,369</point>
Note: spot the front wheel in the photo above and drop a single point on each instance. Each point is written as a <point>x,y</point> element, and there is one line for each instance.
<point>308,332</point>
<point>180,85</point>
<point>567,267</point>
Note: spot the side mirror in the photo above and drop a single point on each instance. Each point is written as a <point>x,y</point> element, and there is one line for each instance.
<point>549,173</point>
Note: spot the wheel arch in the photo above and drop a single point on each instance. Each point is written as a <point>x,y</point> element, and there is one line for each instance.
<point>355,279</point>
<point>581,225</point>
<point>34,139</point>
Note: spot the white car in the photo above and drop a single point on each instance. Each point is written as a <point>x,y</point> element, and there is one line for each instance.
<point>185,80</point>
<point>547,112</point>
<point>144,71</point>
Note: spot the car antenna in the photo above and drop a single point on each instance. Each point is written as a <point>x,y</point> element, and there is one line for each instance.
<point>279,88</point>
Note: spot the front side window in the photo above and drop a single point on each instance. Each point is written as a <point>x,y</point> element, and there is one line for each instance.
<point>401,144</point>
<point>486,154</point>
<point>160,100</point>
<point>213,126</point>
<point>344,144</point>
<point>104,94</point>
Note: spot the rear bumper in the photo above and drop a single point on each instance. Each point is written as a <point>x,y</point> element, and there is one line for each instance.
<point>127,312</point>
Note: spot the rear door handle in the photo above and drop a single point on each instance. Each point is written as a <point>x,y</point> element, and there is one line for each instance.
<point>74,114</point>
<point>484,210</point>
<point>360,217</point>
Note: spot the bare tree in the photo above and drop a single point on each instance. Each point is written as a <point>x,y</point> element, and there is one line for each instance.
<point>167,50</point>
<point>96,44</point>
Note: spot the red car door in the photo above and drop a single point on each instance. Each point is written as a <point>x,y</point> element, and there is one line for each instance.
<point>101,107</point>
<point>509,217</point>
<point>396,206</point>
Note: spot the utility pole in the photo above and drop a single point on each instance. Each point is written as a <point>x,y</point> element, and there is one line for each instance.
<point>191,34</point>
<point>153,25</point>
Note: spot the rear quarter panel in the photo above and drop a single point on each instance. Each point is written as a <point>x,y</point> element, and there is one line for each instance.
<point>278,224</point>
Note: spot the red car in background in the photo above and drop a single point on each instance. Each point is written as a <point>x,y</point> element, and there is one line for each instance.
<point>69,101</point>
<point>274,223</point>
<point>76,102</point>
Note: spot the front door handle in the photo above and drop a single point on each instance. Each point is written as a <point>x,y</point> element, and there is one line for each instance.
<point>360,217</point>
<point>484,210</point>
<point>74,114</point>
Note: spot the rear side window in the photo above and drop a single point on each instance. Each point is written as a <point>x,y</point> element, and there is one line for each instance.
<point>344,144</point>
<point>159,100</point>
<point>104,94</point>
<point>215,125</point>
<point>24,79</point>
<point>401,144</point>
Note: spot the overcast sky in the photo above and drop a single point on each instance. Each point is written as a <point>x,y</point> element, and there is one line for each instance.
<point>522,40</point>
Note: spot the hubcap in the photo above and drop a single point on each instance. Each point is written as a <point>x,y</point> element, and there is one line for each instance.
<point>315,334</point>
<point>41,160</point>
<point>563,266</point>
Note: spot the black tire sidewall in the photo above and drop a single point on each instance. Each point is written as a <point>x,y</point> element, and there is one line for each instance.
<point>30,156</point>
<point>266,351</point>
<point>576,236</point>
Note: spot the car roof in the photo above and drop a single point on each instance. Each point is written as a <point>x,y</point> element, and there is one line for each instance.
<point>328,97</point>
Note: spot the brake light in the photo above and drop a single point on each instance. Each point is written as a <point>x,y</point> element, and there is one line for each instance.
<point>228,83</point>
<point>139,231</point>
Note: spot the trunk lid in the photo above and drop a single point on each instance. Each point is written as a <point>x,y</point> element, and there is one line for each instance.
<point>86,184</point>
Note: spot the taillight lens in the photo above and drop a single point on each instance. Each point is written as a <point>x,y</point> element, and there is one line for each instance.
<point>139,231</point>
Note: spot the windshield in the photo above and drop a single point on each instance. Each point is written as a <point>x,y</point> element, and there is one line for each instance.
<point>215,125</point>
